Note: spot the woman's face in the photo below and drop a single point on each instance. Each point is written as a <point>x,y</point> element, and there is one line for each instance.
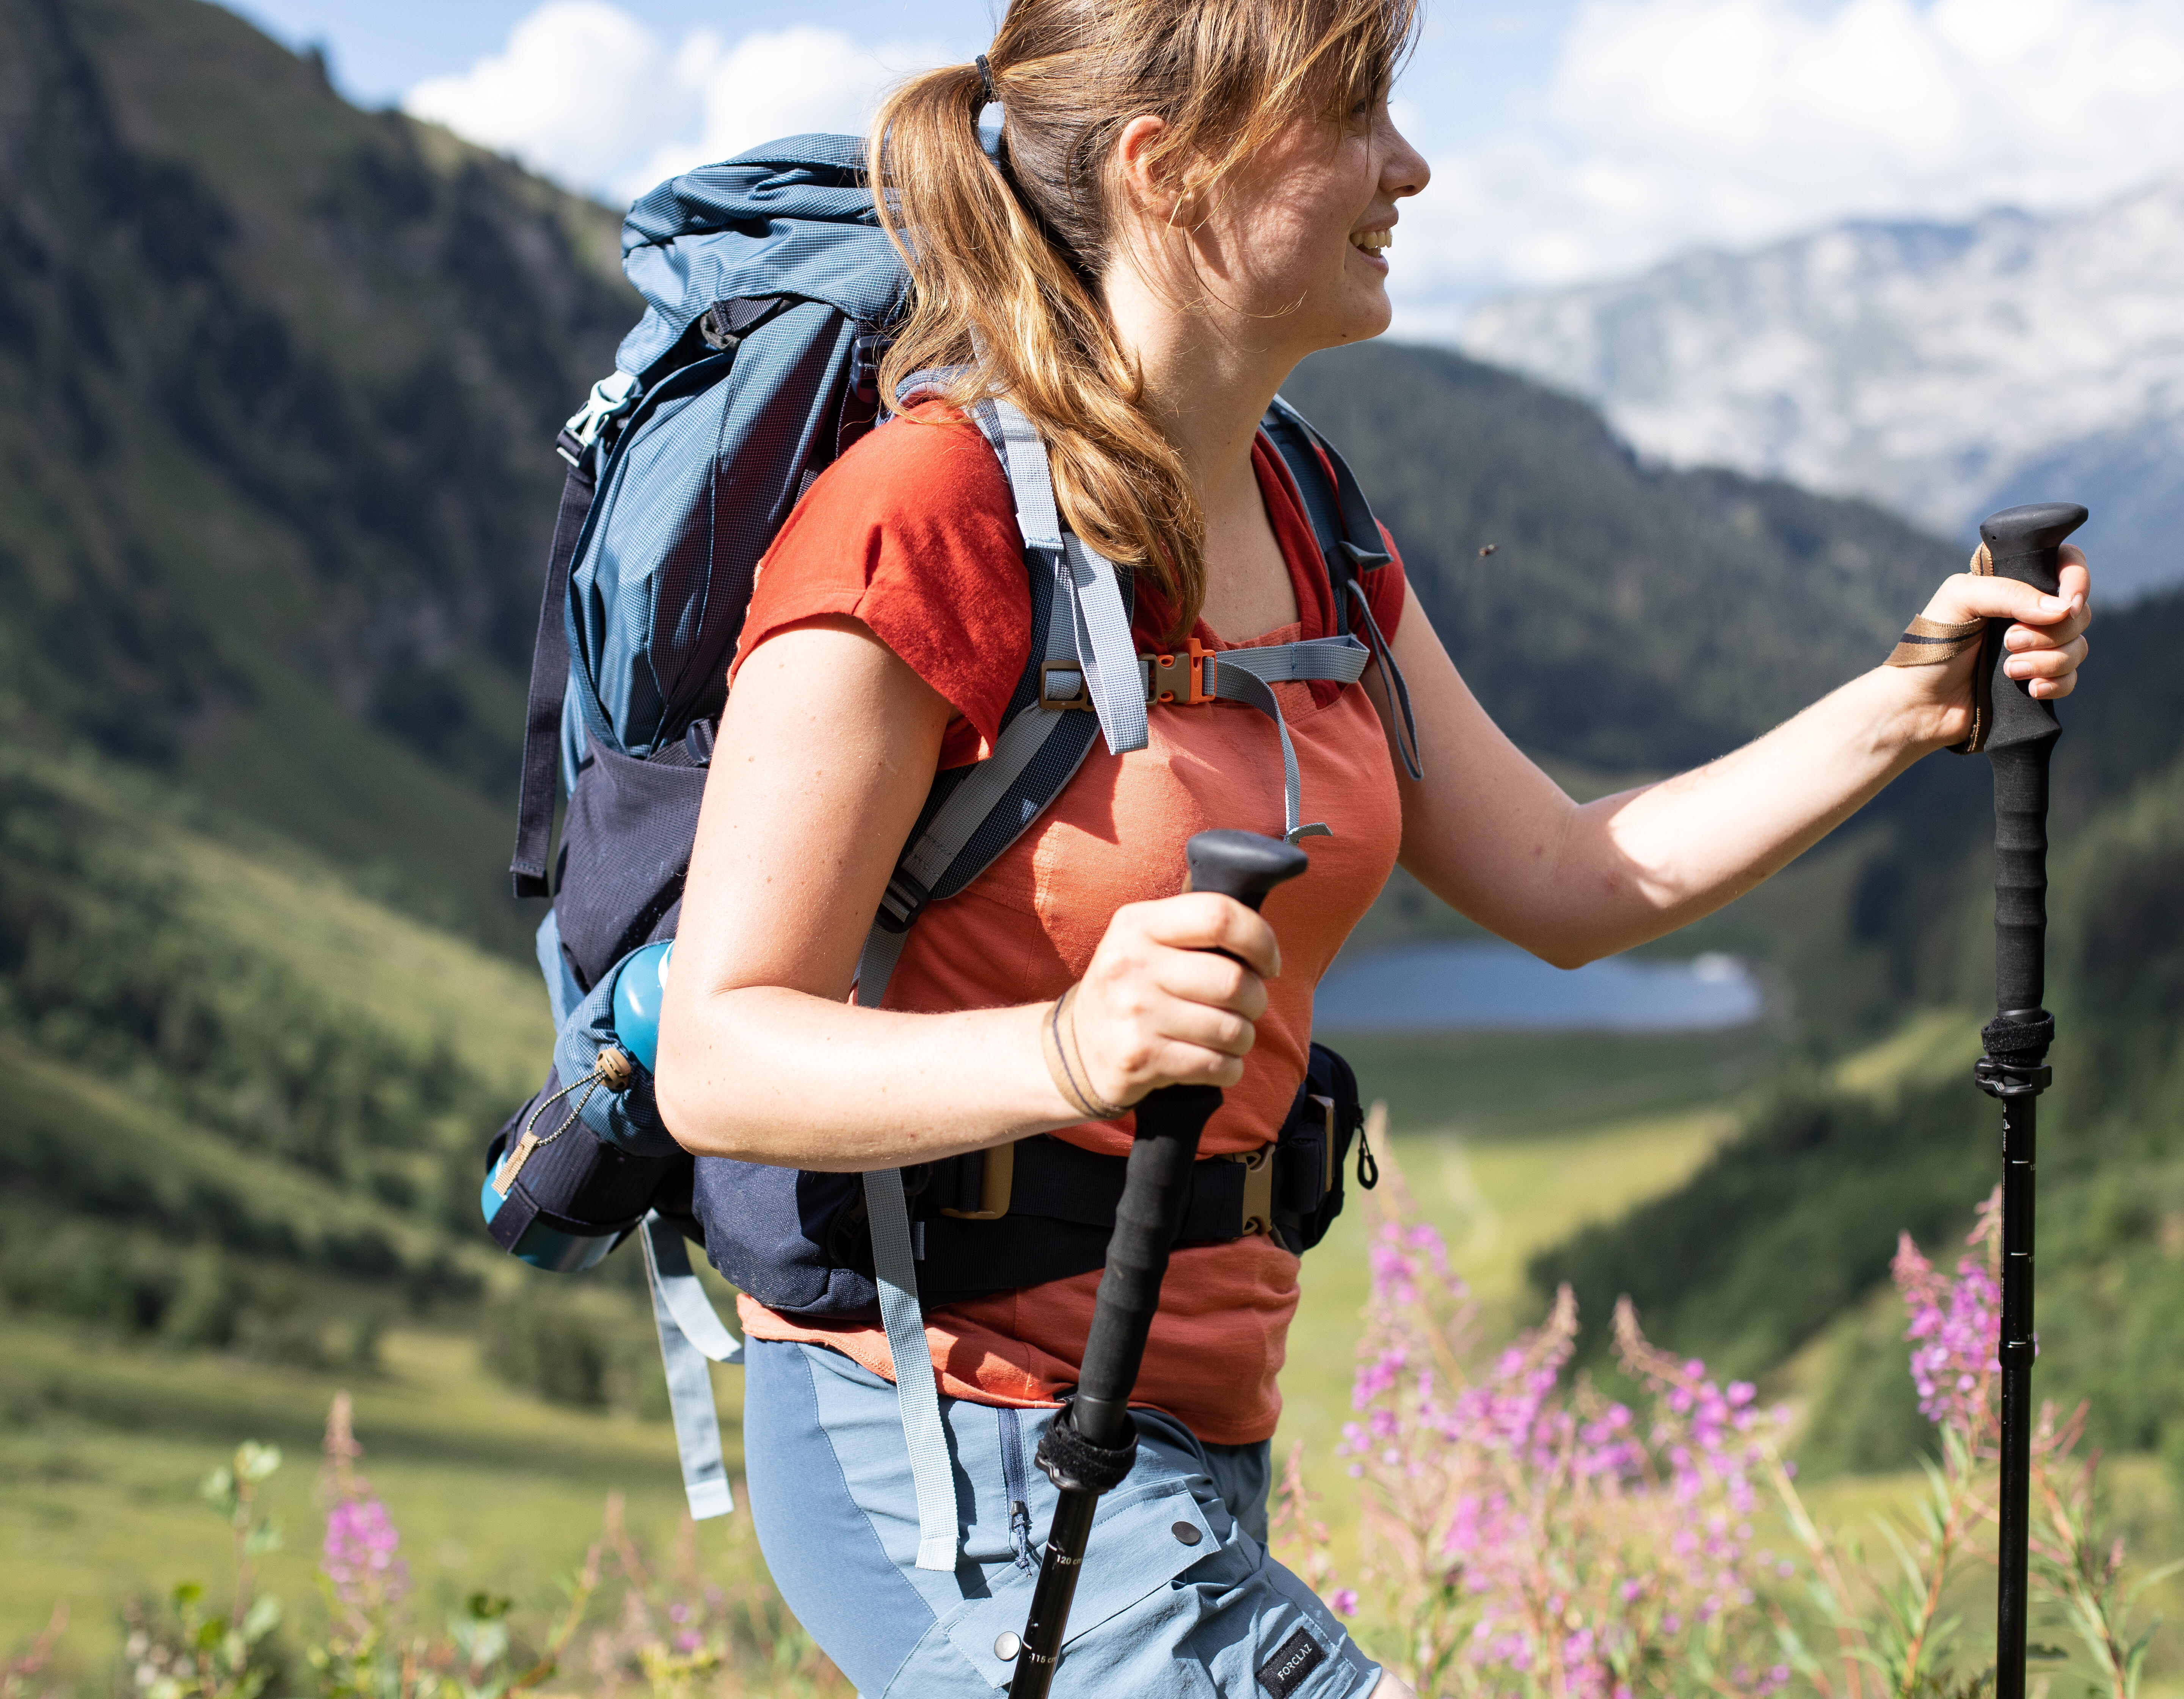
<point>1293,244</point>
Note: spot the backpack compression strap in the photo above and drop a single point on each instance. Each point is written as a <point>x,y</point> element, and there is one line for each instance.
<point>612,397</point>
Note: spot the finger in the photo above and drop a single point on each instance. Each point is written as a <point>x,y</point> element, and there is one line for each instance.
<point>2048,664</point>
<point>1967,597</point>
<point>1186,1027</point>
<point>2076,579</point>
<point>1199,976</point>
<point>1201,920</point>
<point>2060,635</point>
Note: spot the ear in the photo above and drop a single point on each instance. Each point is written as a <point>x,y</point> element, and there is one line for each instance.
<point>1139,170</point>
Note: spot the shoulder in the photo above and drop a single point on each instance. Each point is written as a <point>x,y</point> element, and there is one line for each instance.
<point>913,533</point>
<point>930,469</point>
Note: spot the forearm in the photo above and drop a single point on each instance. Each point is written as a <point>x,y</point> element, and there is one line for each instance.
<point>766,1074</point>
<point>1633,866</point>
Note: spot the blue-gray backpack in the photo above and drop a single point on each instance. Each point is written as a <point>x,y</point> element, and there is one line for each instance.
<point>770,289</point>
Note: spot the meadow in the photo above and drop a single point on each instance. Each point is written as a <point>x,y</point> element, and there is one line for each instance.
<point>1508,1144</point>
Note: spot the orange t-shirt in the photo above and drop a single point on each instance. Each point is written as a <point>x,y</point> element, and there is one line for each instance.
<point>913,533</point>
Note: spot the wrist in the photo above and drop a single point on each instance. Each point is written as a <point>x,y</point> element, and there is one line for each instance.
<point>1064,1056</point>
<point>1909,723</point>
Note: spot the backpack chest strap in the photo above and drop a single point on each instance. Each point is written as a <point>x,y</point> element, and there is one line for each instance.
<point>1200,675</point>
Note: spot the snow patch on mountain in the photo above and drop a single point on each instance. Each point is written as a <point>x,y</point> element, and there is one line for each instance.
<point>1940,370</point>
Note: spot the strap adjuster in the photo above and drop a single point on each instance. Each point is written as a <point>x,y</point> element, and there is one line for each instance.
<point>1062,685</point>
<point>1182,679</point>
<point>901,903</point>
<point>1258,1165</point>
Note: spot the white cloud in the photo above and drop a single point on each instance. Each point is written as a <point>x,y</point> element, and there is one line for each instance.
<point>1669,123</point>
<point>586,93</point>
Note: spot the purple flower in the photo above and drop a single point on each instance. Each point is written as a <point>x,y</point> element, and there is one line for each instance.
<point>358,1555</point>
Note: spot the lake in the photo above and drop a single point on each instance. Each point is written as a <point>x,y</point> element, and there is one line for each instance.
<point>1449,986</point>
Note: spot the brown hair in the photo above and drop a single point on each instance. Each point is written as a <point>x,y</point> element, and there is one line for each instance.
<point>1003,258</point>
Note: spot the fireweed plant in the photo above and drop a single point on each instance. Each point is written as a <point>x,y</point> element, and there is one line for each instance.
<point>1522,1534</point>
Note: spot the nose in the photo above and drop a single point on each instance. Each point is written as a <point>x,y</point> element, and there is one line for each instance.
<point>1403,169</point>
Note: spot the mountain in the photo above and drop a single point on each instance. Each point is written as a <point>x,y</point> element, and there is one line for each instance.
<point>279,380</point>
<point>1943,370</point>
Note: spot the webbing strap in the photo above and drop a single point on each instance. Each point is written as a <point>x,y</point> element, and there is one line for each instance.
<point>691,1332</point>
<point>917,1392</point>
<point>1248,675</point>
<point>936,849</point>
<point>1104,649</point>
<point>1350,538</point>
<point>549,682</point>
<point>1399,689</point>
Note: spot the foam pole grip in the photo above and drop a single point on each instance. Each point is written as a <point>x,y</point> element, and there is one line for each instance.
<point>2025,544</point>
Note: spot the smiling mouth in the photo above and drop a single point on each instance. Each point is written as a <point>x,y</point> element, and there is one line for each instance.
<point>1373,240</point>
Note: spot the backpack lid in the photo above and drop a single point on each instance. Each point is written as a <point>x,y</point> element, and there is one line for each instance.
<point>794,217</point>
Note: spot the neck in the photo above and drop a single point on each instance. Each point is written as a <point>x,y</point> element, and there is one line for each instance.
<point>1207,381</point>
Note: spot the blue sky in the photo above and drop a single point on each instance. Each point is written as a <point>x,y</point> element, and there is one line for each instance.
<point>1481,60</point>
<point>1571,140</point>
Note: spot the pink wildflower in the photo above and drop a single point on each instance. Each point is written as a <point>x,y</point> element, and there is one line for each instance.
<point>358,1555</point>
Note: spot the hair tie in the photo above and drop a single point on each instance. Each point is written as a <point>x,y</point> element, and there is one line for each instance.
<point>987,97</point>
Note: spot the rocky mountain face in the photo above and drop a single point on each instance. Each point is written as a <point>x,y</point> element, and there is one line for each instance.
<point>1943,370</point>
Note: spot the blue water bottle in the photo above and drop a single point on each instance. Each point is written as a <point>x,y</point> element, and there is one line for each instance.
<point>638,995</point>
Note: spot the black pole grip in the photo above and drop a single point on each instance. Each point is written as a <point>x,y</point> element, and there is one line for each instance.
<point>2020,880</point>
<point>1155,1186</point>
<point>2024,543</point>
<point>1241,865</point>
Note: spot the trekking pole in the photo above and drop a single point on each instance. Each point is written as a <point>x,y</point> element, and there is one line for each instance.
<point>2024,543</point>
<point>1089,1447</point>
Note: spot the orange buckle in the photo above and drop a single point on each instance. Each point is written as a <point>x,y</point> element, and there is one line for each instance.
<point>1182,679</point>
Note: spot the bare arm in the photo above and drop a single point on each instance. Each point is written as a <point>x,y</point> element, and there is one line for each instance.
<point>1496,838</point>
<point>826,751</point>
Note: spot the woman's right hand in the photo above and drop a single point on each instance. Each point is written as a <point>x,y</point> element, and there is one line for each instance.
<point>1158,1007</point>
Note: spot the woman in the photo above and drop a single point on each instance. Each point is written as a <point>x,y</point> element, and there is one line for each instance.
<point>1191,196</point>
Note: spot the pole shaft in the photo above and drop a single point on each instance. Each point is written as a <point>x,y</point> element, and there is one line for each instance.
<point>1040,1653</point>
<point>2020,1140</point>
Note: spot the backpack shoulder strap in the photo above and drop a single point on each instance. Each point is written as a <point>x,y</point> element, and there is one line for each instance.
<point>1351,544</point>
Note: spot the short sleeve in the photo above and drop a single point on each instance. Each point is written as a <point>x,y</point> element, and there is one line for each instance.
<point>913,534</point>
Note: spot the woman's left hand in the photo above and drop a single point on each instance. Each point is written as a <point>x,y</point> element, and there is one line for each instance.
<point>2045,641</point>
